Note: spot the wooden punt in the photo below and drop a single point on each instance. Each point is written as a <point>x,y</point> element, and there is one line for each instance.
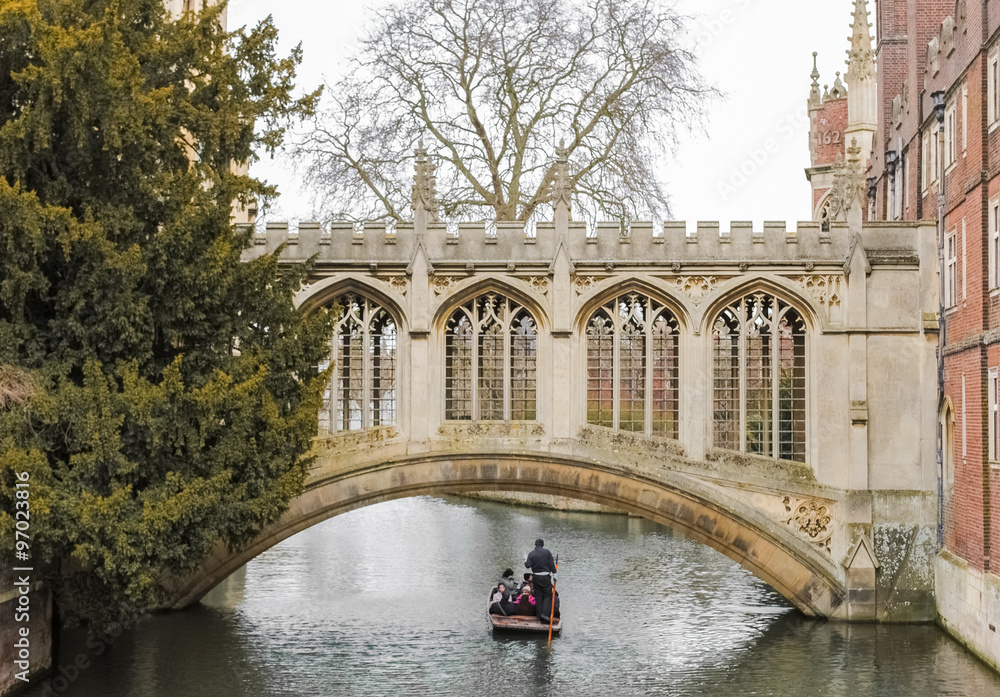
<point>523,623</point>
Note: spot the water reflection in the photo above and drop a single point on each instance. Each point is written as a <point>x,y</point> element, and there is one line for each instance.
<point>390,600</point>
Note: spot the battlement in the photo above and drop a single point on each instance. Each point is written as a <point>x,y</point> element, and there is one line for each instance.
<point>606,242</point>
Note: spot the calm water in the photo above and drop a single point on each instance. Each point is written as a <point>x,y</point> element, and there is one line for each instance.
<point>390,600</point>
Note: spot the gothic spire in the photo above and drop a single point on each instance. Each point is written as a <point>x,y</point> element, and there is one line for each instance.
<point>424,184</point>
<point>814,96</point>
<point>860,57</point>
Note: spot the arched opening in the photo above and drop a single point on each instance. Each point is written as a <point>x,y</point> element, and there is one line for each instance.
<point>632,366</point>
<point>759,377</point>
<point>362,392</point>
<point>791,566</point>
<point>491,357</point>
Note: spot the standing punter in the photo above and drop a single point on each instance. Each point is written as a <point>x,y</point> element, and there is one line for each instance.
<point>543,567</point>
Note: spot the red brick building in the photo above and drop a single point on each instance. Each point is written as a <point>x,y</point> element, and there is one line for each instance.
<point>936,155</point>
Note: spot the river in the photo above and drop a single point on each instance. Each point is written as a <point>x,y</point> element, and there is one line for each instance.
<point>390,600</point>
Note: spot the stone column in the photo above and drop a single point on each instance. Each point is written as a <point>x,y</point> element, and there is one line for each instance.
<point>426,399</point>
<point>563,367</point>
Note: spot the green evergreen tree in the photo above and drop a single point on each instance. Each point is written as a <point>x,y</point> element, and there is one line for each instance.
<point>161,393</point>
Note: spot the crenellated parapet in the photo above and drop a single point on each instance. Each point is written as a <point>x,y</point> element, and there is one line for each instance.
<point>671,245</point>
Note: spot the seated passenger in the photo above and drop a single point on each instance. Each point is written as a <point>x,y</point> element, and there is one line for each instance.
<point>526,582</point>
<point>525,602</point>
<point>500,603</point>
<point>507,579</point>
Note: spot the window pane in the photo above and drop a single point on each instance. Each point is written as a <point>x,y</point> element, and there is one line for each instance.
<point>632,365</point>
<point>352,363</point>
<point>458,367</point>
<point>664,383</point>
<point>491,372</point>
<point>759,378</point>
<point>382,359</point>
<point>792,387</point>
<point>757,374</point>
<point>725,379</point>
<point>523,352</point>
<point>600,371</point>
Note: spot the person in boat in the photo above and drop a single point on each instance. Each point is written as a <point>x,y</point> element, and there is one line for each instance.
<point>525,602</point>
<point>543,611</point>
<point>525,582</point>
<point>507,579</point>
<point>543,569</point>
<point>500,601</point>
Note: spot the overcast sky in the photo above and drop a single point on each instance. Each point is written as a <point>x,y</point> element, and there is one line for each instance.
<point>748,166</point>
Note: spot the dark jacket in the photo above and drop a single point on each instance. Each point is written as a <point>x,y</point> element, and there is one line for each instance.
<point>540,559</point>
<point>503,607</point>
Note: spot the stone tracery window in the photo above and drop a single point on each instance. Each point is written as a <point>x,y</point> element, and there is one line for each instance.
<point>632,366</point>
<point>759,378</point>
<point>491,348</point>
<point>362,392</point>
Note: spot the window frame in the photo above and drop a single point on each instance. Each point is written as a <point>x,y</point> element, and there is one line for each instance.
<point>993,87</point>
<point>993,414</point>
<point>482,325</point>
<point>965,119</point>
<point>951,269</point>
<point>335,411</point>
<point>950,136</point>
<point>993,254</point>
<point>669,374</point>
<point>743,330</point>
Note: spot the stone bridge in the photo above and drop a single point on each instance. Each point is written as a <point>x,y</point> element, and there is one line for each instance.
<point>770,393</point>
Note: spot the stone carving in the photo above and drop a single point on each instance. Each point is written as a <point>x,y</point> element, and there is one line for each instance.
<point>396,283</point>
<point>562,182</point>
<point>696,287</point>
<point>811,518</point>
<point>443,284</point>
<point>585,283</point>
<point>948,29</point>
<point>849,183</point>
<point>861,58</point>
<point>424,185</point>
<point>825,289</point>
<point>538,283</point>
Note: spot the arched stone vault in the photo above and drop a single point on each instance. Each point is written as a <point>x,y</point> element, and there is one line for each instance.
<point>796,571</point>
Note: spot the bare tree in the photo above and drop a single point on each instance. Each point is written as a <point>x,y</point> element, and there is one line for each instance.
<point>490,86</point>
<point>16,387</point>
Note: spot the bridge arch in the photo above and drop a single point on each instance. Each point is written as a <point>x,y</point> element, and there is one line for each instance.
<point>791,566</point>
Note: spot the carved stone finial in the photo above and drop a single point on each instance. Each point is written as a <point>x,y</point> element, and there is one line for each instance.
<point>849,183</point>
<point>860,57</point>
<point>814,96</point>
<point>562,183</point>
<point>839,90</point>
<point>424,184</point>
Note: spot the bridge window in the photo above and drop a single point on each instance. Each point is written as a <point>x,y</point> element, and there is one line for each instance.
<point>491,351</point>
<point>362,393</point>
<point>632,366</point>
<point>759,371</point>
